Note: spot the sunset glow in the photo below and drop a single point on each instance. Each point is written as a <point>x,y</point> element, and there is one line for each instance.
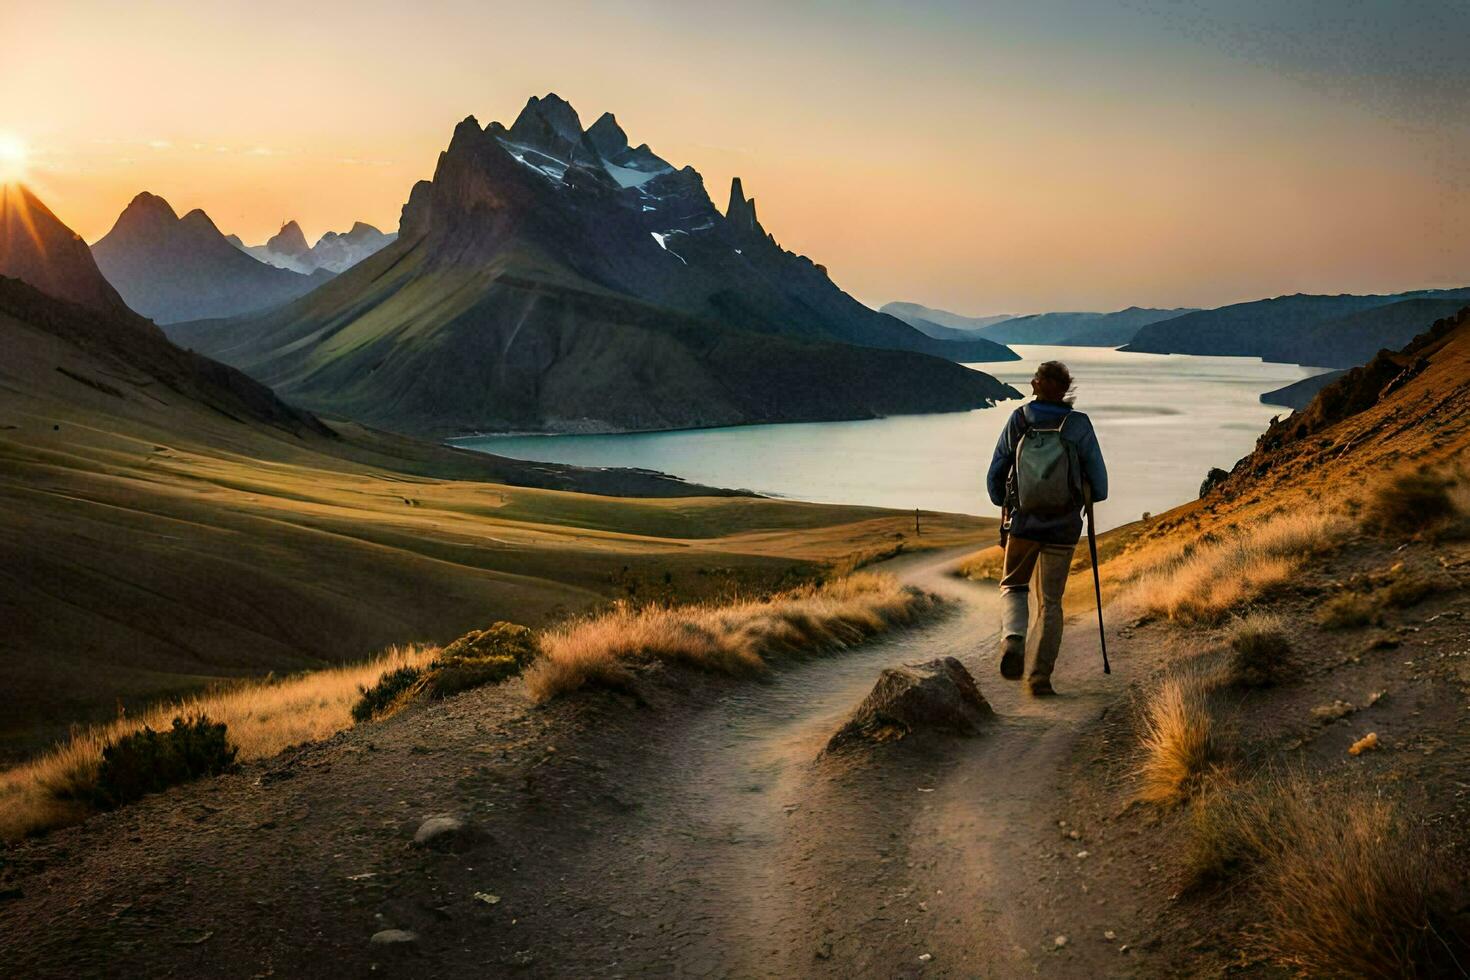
<point>984,158</point>
<point>14,156</point>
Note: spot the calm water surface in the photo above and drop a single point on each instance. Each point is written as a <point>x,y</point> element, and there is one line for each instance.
<point>1163,421</point>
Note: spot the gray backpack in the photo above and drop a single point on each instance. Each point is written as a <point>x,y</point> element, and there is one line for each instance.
<point>1048,475</point>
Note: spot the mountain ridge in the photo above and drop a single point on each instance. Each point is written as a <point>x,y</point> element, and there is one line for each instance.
<point>1322,330</point>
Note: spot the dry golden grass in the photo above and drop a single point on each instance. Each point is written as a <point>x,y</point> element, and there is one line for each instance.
<point>1346,884</point>
<point>1203,583</point>
<point>984,566</point>
<point>1179,739</point>
<point>262,718</point>
<point>732,638</point>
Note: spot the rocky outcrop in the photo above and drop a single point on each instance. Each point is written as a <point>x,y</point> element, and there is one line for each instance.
<point>937,696</point>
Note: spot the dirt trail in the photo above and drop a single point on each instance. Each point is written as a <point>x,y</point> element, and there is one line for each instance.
<point>699,836</point>
<point>760,859</point>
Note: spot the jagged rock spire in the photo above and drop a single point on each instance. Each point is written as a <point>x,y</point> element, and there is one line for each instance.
<point>741,212</point>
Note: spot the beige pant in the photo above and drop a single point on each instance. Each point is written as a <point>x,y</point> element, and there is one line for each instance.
<point>1050,564</point>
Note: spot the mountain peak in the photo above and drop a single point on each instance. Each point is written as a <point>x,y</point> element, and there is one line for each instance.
<point>548,123</point>
<point>37,247</point>
<point>468,128</point>
<point>607,137</point>
<point>197,219</point>
<point>151,206</point>
<point>289,241</point>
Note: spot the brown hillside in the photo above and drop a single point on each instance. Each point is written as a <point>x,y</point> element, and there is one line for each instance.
<point>1408,406</point>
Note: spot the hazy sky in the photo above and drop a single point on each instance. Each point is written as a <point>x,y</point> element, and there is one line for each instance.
<point>984,157</point>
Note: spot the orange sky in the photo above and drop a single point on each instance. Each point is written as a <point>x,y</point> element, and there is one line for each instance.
<point>1023,157</point>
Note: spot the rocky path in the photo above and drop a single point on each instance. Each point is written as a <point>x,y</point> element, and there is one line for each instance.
<point>699,836</point>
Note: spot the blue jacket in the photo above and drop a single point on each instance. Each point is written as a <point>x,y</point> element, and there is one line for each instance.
<point>1067,528</point>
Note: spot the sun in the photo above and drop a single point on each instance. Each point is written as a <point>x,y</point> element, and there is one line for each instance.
<point>14,155</point>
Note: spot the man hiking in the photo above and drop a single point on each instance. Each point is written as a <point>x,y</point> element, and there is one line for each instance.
<point>1047,462</point>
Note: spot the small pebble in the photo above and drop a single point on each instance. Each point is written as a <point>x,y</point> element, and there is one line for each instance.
<point>925,957</point>
<point>1059,942</point>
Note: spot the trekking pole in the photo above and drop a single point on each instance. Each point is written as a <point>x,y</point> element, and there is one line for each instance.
<point>1102,635</point>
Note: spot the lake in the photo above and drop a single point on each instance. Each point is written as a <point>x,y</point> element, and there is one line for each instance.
<point>1163,420</point>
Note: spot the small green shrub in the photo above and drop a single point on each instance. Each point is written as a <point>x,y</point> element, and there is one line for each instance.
<point>461,675</point>
<point>146,761</point>
<point>501,639</point>
<point>390,689</point>
<point>486,656</point>
<point>1347,610</point>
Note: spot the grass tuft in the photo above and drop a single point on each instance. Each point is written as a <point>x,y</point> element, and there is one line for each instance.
<point>734,638</point>
<point>1179,740</point>
<point>1347,885</point>
<point>1260,648</point>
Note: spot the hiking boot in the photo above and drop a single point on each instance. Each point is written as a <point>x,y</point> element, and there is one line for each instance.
<point>1012,657</point>
<point>1040,687</point>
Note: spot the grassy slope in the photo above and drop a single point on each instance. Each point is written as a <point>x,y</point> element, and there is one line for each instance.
<point>152,548</point>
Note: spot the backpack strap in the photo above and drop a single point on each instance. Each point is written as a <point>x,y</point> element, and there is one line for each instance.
<point>1031,425</point>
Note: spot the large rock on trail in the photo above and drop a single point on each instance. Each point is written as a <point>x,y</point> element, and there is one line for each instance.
<point>939,695</point>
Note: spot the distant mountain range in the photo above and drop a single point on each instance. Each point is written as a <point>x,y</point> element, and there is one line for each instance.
<point>1323,331</point>
<point>1078,329</point>
<point>1318,331</point>
<point>1066,329</point>
<point>334,251</point>
<point>556,278</point>
<point>170,268</point>
<point>941,324</point>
